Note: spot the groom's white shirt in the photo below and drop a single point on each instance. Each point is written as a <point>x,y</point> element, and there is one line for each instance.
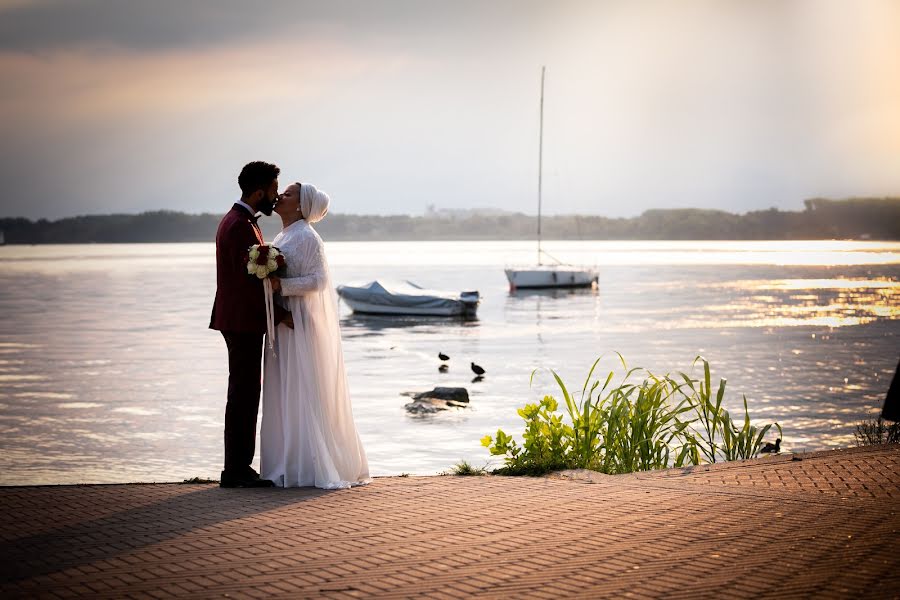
<point>247,206</point>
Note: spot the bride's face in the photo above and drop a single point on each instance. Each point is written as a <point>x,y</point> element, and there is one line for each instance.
<point>289,201</point>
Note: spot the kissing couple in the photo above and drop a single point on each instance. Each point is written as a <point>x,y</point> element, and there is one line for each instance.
<point>308,437</point>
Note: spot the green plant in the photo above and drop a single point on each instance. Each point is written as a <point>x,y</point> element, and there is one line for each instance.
<point>546,441</point>
<point>464,468</point>
<point>655,423</point>
<point>194,480</point>
<point>586,417</point>
<point>650,421</point>
<point>869,433</point>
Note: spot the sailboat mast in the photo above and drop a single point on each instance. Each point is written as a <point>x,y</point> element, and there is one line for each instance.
<point>540,164</point>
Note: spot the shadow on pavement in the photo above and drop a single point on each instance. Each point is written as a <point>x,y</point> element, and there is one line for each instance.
<point>123,532</point>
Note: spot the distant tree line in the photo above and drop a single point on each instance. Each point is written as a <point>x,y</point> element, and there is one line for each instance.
<point>854,218</point>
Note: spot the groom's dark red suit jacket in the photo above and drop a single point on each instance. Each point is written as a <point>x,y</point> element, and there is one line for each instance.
<point>239,306</point>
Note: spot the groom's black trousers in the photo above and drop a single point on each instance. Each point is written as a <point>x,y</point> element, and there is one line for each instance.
<point>244,382</point>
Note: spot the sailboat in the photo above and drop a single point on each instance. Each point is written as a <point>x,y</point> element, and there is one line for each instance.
<point>558,274</point>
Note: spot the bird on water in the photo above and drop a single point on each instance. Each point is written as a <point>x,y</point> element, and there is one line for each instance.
<point>443,356</point>
<point>771,448</point>
<point>477,370</point>
<point>443,368</point>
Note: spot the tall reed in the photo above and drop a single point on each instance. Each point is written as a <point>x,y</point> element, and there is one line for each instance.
<point>713,431</point>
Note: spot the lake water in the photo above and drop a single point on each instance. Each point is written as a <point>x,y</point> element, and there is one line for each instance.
<point>109,374</point>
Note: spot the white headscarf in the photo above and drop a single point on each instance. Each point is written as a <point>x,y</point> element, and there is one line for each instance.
<point>313,203</point>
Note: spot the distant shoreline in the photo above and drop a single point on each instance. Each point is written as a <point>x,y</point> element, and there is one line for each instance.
<point>854,219</point>
<point>456,240</point>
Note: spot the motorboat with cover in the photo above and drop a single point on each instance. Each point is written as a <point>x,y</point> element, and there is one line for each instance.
<point>383,297</point>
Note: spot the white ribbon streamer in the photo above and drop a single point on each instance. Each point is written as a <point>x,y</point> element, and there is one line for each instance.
<point>270,314</point>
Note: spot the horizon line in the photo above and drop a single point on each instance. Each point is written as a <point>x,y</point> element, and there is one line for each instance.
<point>463,211</point>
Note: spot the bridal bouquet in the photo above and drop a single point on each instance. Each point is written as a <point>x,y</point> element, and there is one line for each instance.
<point>262,261</point>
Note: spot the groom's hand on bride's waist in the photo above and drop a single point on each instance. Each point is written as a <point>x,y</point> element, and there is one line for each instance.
<point>276,284</point>
<point>288,320</point>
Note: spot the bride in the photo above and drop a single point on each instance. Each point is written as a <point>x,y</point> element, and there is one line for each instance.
<point>308,437</point>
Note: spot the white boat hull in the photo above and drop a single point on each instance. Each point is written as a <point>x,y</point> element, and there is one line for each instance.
<point>379,309</point>
<point>551,277</point>
<point>406,298</point>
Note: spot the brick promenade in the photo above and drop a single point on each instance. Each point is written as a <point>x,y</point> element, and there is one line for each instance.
<point>824,526</point>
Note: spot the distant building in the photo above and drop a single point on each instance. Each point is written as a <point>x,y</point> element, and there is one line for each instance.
<point>459,214</point>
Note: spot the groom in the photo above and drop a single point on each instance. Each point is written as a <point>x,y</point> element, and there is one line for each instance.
<point>239,312</point>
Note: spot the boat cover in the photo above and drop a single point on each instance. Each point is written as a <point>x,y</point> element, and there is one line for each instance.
<point>405,294</point>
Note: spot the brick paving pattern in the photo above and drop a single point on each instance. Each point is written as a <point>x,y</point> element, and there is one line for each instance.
<point>821,525</point>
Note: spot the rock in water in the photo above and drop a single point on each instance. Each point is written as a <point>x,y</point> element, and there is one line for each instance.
<point>456,394</point>
<point>438,399</point>
<point>429,406</point>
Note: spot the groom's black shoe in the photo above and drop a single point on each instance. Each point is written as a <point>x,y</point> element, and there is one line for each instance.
<point>246,479</point>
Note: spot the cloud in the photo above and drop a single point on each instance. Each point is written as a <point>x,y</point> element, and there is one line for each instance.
<point>162,24</point>
<point>43,25</point>
<point>390,106</point>
<point>155,123</point>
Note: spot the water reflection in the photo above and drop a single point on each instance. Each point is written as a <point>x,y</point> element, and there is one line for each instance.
<point>553,292</point>
<point>375,324</point>
<point>108,373</point>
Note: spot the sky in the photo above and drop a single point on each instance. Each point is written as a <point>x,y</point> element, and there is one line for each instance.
<point>123,106</point>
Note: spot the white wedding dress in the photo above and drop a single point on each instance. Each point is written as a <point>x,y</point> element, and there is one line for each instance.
<point>308,437</point>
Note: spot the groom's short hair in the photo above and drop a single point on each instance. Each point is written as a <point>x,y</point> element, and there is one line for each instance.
<point>257,175</point>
